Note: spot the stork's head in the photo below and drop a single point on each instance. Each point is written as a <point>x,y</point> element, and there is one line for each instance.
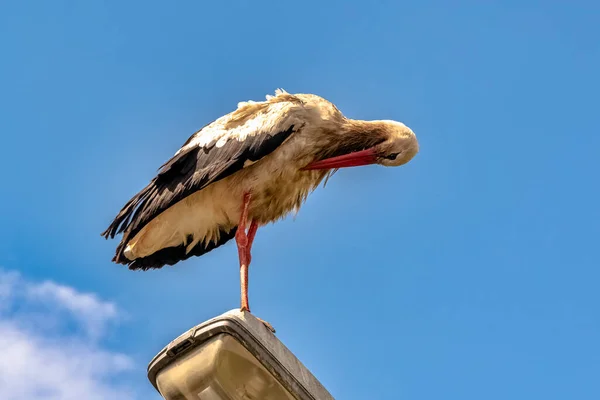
<point>398,148</point>
<point>391,144</point>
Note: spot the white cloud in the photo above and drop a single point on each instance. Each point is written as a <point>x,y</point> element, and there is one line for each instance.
<point>91,312</point>
<point>50,343</point>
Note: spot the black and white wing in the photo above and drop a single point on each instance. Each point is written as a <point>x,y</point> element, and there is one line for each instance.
<point>216,151</point>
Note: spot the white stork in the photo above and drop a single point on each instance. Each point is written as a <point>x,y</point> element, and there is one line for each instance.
<point>246,169</point>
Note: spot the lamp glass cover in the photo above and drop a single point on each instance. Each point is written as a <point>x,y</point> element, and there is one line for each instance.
<point>219,369</point>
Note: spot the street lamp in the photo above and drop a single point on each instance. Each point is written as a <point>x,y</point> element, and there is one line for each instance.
<point>232,357</point>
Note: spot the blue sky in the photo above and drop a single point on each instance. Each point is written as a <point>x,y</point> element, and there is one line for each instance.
<point>472,272</point>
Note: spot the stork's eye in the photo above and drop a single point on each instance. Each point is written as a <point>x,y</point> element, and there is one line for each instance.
<point>391,156</point>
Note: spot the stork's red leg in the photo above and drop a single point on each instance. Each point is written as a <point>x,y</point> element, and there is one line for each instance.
<point>244,242</point>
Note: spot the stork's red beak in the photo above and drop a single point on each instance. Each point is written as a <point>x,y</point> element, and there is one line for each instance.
<point>356,159</point>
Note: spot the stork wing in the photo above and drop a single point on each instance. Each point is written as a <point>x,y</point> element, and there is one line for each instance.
<point>215,152</point>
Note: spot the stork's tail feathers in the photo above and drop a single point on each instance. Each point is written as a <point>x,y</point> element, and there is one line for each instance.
<point>173,255</point>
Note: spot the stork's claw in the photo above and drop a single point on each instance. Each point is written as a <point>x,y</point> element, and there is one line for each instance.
<point>268,325</point>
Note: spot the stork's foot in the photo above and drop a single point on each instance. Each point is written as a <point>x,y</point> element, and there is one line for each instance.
<point>268,325</point>
<point>265,323</point>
